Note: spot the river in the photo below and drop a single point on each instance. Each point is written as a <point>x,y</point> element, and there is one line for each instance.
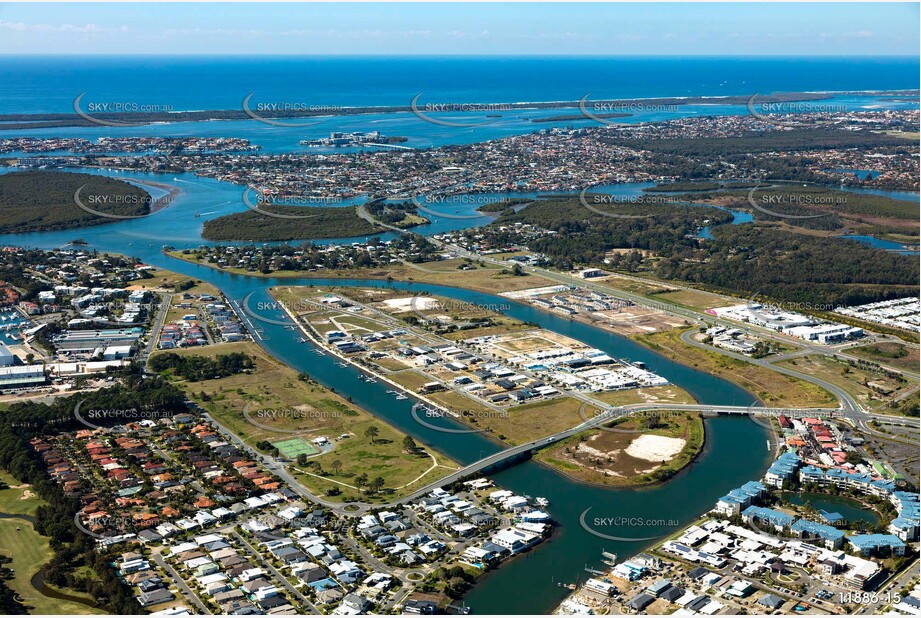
<point>735,450</point>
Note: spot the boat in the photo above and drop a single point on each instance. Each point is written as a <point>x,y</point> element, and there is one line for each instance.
<point>343,365</point>
<point>541,501</point>
<point>402,397</point>
<point>302,340</point>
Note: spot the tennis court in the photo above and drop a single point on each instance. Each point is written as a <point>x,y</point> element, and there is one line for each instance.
<point>293,447</point>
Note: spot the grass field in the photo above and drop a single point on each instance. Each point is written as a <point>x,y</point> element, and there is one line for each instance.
<point>694,299</point>
<point>30,551</point>
<point>857,381</point>
<point>889,353</point>
<point>771,387</point>
<point>287,407</point>
<point>533,420</point>
<point>653,394</point>
<point>168,280</point>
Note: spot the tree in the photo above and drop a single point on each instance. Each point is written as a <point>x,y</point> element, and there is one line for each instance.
<point>372,433</point>
<point>336,466</point>
<point>361,480</point>
<point>302,459</point>
<point>376,485</point>
<point>409,445</point>
<point>853,457</point>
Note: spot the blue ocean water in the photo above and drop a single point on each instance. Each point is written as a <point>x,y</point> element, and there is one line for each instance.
<point>50,83</point>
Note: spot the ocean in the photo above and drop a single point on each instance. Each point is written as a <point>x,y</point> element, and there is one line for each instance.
<point>48,84</point>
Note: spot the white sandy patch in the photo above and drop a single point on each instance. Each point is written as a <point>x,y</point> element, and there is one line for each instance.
<point>655,448</point>
<point>410,303</point>
<point>588,450</point>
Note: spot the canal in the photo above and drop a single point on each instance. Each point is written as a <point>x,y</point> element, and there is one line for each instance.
<point>734,453</point>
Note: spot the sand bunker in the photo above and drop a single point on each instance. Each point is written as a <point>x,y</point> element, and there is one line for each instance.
<point>655,448</point>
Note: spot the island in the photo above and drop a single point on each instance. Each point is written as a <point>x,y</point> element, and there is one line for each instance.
<point>41,201</point>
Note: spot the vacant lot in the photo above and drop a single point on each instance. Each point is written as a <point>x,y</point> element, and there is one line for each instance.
<point>653,394</point>
<point>643,448</point>
<point>694,299</point>
<point>769,386</point>
<point>889,353</point>
<point>492,279</point>
<point>533,420</point>
<point>872,387</point>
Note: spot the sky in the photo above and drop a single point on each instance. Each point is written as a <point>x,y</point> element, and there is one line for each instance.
<point>541,29</point>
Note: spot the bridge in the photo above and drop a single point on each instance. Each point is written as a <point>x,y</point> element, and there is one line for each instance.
<point>516,454</point>
<point>522,452</point>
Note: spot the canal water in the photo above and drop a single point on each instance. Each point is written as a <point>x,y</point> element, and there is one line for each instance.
<point>735,449</point>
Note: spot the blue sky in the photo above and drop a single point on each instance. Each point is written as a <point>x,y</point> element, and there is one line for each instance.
<point>768,29</point>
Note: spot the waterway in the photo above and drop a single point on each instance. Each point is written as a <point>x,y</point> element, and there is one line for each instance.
<point>852,510</point>
<point>734,453</point>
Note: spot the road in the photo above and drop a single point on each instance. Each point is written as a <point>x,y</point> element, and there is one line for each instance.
<point>157,327</point>
<point>179,581</point>
<point>275,573</point>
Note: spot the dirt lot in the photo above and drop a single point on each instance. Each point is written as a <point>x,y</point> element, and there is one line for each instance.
<point>631,452</point>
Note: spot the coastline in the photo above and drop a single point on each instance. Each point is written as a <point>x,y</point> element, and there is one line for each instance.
<point>68,120</point>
